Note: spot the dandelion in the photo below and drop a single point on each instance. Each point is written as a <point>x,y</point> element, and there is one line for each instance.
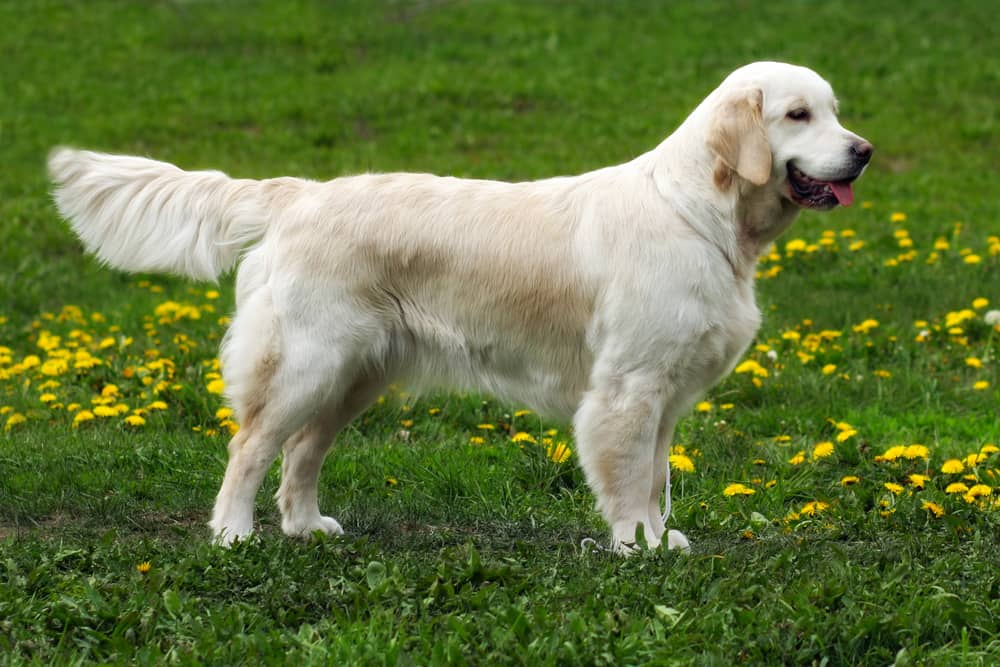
<point>956,487</point>
<point>704,406</point>
<point>558,452</point>
<point>865,326</point>
<point>980,303</point>
<point>105,411</point>
<point>814,507</point>
<point>822,450</point>
<point>981,385</point>
<point>846,434</point>
<point>918,480</point>
<point>157,405</point>
<point>15,419</point>
<point>47,398</point>
<point>751,366</point>
<point>913,452</point>
<point>681,463</point>
<point>972,259</point>
<point>434,411</point>
<point>952,467</point>
<point>988,449</point>
<point>522,413</point>
<point>476,440</point>
<point>973,362</point>
<point>486,427</point>
<point>82,416</point>
<point>798,458</point>
<point>992,318</point>
<point>406,423</point>
<point>849,480</point>
<point>897,216</point>
<point>135,420</point>
<point>144,567</point>
<point>738,490</point>
<point>829,369</point>
<point>521,436</point>
<point>894,488</point>
<point>891,454</point>
<point>215,386</point>
<point>976,492</point>
<point>933,508</point>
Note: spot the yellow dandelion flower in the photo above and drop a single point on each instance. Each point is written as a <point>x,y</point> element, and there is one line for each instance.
<point>157,405</point>
<point>681,463</point>
<point>47,398</point>
<point>558,452</point>
<point>82,416</point>
<point>135,420</point>
<point>738,490</point>
<point>989,448</point>
<point>829,369</point>
<point>849,480</point>
<point>956,487</point>
<point>704,406</point>
<point>486,427</point>
<point>105,411</point>
<point>751,366</point>
<point>896,489</point>
<point>980,303</point>
<point>865,326</point>
<point>918,480</point>
<point>15,419</point>
<point>952,466</point>
<point>933,508</point>
<point>521,436</point>
<point>913,452</point>
<point>892,453</point>
<point>846,434</point>
<point>798,458</point>
<point>223,413</point>
<point>972,259</point>
<point>406,423</point>
<point>434,411</point>
<point>973,362</point>
<point>979,491</point>
<point>814,507</point>
<point>211,294</point>
<point>144,567</point>
<point>522,413</point>
<point>822,450</point>
<point>476,440</point>
<point>791,335</point>
<point>981,385</point>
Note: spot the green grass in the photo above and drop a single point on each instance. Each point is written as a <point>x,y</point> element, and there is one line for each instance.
<point>467,553</point>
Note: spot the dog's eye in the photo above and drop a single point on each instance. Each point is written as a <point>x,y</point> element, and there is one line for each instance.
<point>798,114</point>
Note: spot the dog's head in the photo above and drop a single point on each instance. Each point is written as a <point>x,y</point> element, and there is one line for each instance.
<point>775,125</point>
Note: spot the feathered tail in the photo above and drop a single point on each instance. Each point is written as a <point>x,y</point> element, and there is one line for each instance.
<point>137,214</point>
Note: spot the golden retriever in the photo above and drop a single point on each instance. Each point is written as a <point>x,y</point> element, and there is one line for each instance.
<point>615,298</point>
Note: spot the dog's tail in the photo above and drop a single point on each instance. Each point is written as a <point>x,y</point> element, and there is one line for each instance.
<point>142,215</point>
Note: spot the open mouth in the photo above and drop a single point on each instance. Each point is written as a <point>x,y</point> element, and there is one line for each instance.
<point>813,193</point>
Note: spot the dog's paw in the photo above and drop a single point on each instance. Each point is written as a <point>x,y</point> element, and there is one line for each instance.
<point>677,540</point>
<point>224,536</point>
<point>323,524</point>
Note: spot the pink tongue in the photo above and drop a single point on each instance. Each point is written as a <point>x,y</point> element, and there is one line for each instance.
<point>843,193</point>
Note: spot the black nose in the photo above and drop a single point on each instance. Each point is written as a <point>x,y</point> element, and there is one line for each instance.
<point>862,151</point>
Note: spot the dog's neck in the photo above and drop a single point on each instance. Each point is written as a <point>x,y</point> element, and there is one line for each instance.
<point>739,218</point>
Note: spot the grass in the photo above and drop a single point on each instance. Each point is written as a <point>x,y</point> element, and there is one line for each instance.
<point>459,552</point>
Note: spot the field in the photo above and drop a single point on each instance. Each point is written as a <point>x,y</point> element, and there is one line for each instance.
<point>841,489</point>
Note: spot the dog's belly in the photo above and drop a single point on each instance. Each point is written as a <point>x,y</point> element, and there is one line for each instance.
<point>547,375</point>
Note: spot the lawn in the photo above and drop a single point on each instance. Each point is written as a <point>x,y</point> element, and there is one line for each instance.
<point>841,489</point>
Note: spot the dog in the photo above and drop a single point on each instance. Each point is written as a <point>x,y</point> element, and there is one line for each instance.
<point>614,298</point>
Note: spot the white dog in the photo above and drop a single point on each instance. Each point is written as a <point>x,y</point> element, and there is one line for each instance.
<point>614,298</point>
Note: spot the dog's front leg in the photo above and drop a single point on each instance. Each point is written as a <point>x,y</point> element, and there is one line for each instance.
<point>616,433</point>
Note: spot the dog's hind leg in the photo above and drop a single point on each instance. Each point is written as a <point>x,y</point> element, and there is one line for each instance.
<point>304,452</point>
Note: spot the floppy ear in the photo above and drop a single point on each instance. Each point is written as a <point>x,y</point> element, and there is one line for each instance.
<point>736,135</point>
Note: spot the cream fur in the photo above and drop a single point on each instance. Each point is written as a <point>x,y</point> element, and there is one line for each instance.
<point>614,298</point>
